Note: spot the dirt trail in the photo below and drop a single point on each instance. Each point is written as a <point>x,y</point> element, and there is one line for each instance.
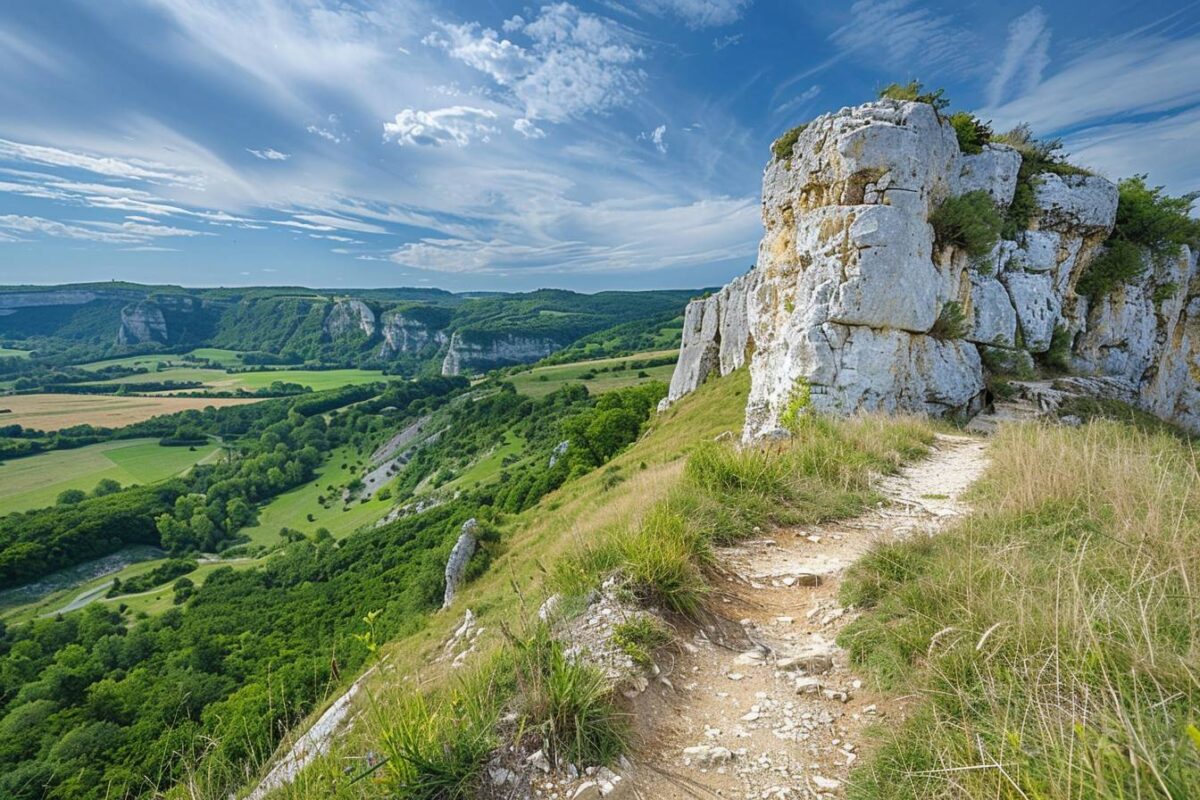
<point>769,707</point>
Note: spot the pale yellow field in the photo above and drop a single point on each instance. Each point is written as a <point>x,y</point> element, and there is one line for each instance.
<point>50,412</point>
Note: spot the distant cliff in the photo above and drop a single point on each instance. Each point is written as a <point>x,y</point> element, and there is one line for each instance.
<point>473,352</point>
<point>857,304</point>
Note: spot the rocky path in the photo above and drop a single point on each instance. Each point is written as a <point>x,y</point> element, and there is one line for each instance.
<point>763,704</point>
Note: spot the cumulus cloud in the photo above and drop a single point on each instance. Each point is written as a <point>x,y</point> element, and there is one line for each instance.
<point>698,13</point>
<point>1025,56</point>
<point>575,63</point>
<point>270,154</point>
<point>456,124</point>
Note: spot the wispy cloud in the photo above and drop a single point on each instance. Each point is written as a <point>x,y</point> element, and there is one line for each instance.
<point>657,137</point>
<point>698,13</point>
<point>128,232</point>
<point>130,169</point>
<point>721,42</point>
<point>270,154</point>
<point>1025,56</point>
<point>1142,76</point>
<point>899,34</point>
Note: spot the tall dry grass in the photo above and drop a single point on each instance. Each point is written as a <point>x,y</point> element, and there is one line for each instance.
<point>1053,634</point>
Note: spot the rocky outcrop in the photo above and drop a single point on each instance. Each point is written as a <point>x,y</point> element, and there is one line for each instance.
<point>142,323</point>
<point>853,305</point>
<point>460,556</point>
<point>479,352</point>
<point>716,337</point>
<point>349,318</point>
<point>404,334</point>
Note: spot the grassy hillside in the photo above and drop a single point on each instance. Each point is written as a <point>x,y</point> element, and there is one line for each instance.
<point>1054,635</point>
<point>649,514</point>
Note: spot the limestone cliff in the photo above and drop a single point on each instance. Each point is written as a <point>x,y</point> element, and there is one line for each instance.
<point>403,333</point>
<point>349,318</point>
<point>475,353</point>
<point>841,312</point>
<point>141,323</point>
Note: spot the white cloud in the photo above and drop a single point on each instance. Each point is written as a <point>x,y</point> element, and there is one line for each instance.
<point>129,232</point>
<point>644,234</point>
<point>899,36</point>
<point>698,13</point>
<point>1140,76</point>
<point>456,124</point>
<point>484,50</point>
<point>721,43</point>
<point>529,130</point>
<point>657,137</point>
<point>270,154</point>
<point>124,168</point>
<point>1025,56</point>
<point>1167,148</point>
<point>576,63</point>
<point>341,223</point>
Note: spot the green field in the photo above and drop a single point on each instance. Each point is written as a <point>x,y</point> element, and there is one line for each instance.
<point>35,481</point>
<point>8,352</point>
<point>541,381</point>
<point>220,380</point>
<point>291,509</point>
<point>226,358</point>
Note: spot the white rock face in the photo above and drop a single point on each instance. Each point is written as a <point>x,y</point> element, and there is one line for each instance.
<point>842,309</point>
<point>471,354</point>
<point>716,337</point>
<point>403,334</point>
<point>993,171</point>
<point>460,556</point>
<point>142,322</point>
<point>350,317</point>
<point>994,320</point>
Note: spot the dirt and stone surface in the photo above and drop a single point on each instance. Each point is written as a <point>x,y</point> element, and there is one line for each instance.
<point>761,703</point>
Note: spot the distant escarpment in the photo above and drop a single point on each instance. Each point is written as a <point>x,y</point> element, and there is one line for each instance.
<point>472,351</point>
<point>900,271</point>
<point>402,331</point>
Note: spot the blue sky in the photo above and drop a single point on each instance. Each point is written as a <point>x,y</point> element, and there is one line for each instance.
<point>494,145</point>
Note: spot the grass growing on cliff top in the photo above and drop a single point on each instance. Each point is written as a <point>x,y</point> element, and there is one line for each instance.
<point>1054,635</point>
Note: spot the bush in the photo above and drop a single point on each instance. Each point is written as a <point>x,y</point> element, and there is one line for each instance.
<point>914,92</point>
<point>972,132</point>
<point>1117,265</point>
<point>70,497</point>
<point>1037,156</point>
<point>951,323</point>
<point>1149,217</point>
<point>969,222</point>
<point>781,148</point>
<point>1057,357</point>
